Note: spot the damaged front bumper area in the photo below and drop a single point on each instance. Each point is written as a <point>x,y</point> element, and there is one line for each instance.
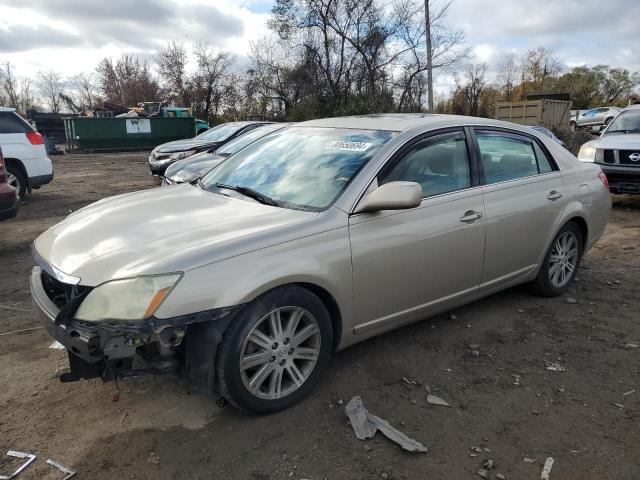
<point>182,345</point>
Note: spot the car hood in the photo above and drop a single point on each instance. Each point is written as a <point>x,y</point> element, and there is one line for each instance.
<point>618,141</point>
<point>184,145</point>
<point>190,168</point>
<point>162,230</point>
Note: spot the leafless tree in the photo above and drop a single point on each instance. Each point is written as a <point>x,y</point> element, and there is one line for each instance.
<point>508,76</point>
<point>472,85</point>
<point>209,80</point>
<point>443,44</point>
<point>83,91</point>
<point>50,87</point>
<point>9,85</point>
<point>308,28</point>
<point>172,61</point>
<point>16,92</point>
<point>277,76</point>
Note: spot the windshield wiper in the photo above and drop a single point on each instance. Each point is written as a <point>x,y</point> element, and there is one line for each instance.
<point>249,192</point>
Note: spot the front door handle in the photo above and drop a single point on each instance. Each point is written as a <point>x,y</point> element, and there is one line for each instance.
<point>554,195</point>
<point>470,216</point>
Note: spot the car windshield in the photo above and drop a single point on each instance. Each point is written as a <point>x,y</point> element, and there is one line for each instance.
<point>220,132</point>
<point>245,139</point>
<point>626,122</point>
<point>305,168</point>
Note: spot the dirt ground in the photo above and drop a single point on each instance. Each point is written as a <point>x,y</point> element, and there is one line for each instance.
<point>587,418</point>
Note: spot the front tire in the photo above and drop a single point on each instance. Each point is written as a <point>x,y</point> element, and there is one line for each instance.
<point>561,262</point>
<point>275,350</point>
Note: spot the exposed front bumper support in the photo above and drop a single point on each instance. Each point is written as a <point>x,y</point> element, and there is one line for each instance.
<point>106,349</point>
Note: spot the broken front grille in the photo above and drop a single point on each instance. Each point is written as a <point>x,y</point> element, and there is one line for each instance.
<point>61,293</point>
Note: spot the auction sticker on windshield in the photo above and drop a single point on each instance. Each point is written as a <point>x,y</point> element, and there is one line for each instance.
<point>348,146</point>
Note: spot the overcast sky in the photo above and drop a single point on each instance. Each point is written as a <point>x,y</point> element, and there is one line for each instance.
<point>72,36</point>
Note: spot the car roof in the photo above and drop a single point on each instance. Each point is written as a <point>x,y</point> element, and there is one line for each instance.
<point>400,122</point>
<point>7,109</point>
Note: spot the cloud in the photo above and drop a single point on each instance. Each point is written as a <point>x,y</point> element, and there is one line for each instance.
<point>17,38</point>
<point>143,11</point>
<point>209,23</point>
<point>580,31</point>
<point>139,25</point>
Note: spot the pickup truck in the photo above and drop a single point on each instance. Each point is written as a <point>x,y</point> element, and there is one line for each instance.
<point>617,151</point>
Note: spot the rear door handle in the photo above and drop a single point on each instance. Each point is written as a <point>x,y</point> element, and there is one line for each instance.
<point>470,216</point>
<point>554,195</point>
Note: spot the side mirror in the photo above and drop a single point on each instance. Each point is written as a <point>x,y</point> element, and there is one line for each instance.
<point>392,196</point>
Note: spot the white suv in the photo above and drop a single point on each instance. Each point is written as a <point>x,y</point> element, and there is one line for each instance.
<point>25,157</point>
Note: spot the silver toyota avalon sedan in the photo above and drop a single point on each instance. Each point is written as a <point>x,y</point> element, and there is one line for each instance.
<point>309,240</point>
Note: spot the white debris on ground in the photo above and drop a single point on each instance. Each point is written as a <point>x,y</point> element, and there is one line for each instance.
<point>432,399</point>
<point>554,367</point>
<point>365,425</point>
<point>546,469</point>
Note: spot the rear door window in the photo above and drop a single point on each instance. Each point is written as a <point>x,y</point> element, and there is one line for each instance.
<point>10,122</point>
<point>544,165</point>
<point>506,156</point>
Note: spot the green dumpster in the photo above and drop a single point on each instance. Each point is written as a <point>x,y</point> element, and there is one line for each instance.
<point>112,134</point>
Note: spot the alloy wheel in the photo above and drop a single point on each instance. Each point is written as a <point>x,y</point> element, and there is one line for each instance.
<point>563,259</point>
<point>13,181</point>
<point>280,353</point>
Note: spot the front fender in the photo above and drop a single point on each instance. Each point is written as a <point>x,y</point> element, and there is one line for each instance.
<point>322,259</point>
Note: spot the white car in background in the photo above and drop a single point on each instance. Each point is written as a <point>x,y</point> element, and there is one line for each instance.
<point>25,156</point>
<point>617,151</point>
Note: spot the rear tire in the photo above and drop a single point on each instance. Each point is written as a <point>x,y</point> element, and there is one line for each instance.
<point>16,179</point>
<point>275,350</point>
<point>561,262</point>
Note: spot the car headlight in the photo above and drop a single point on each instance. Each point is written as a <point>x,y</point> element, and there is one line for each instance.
<point>587,153</point>
<point>186,175</point>
<point>131,299</point>
<point>181,155</point>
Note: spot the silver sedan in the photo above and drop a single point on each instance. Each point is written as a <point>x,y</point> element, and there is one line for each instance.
<point>309,240</point>
<point>596,117</point>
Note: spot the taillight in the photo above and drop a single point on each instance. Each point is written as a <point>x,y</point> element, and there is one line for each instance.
<point>35,138</point>
<point>603,178</point>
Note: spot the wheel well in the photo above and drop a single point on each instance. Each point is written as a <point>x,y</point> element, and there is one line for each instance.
<point>584,230</point>
<point>20,166</point>
<point>332,307</point>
